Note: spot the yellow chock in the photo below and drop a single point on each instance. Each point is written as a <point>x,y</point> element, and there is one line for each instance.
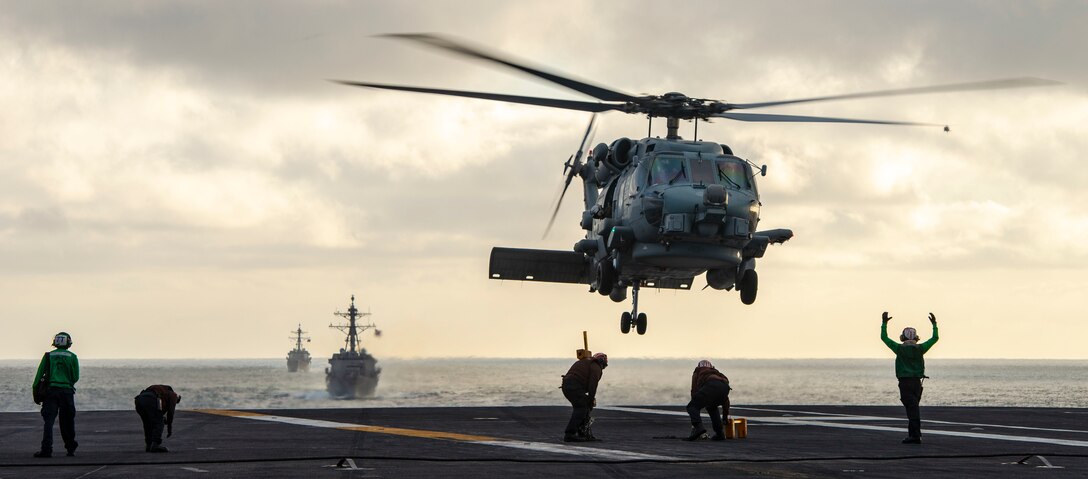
<point>740,427</point>
<point>736,427</point>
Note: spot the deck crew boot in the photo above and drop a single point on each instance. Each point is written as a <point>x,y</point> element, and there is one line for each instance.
<point>697,432</point>
<point>719,435</point>
<point>587,433</point>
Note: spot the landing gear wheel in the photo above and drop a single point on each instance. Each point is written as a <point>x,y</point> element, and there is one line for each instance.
<point>640,323</point>
<point>606,277</point>
<point>625,322</point>
<point>618,294</point>
<point>749,283</point>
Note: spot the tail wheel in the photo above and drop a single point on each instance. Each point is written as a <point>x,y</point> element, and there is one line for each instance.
<point>640,323</point>
<point>625,322</point>
<point>749,283</point>
<point>606,278</point>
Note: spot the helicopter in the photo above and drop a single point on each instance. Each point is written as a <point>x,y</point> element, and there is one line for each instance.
<point>657,211</point>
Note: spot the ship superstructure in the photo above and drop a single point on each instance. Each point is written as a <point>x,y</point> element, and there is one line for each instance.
<point>352,372</point>
<point>298,359</point>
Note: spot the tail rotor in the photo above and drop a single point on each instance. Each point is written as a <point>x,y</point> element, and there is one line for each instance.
<point>571,168</point>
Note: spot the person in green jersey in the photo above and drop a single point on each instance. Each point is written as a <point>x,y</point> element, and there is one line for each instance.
<point>60,367</point>
<point>910,368</point>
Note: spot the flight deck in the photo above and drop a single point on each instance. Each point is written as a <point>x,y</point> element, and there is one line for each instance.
<point>637,441</point>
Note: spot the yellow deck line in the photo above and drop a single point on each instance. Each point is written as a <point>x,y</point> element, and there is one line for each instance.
<point>453,436</point>
<point>229,412</point>
<point>550,448</point>
<point>398,431</point>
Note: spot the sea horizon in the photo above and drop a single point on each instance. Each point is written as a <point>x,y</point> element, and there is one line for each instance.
<point>265,383</point>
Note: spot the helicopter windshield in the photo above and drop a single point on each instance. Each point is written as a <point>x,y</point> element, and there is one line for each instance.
<point>667,170</point>
<point>733,173</point>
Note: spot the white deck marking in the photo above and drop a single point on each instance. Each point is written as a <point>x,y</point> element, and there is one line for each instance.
<point>92,472</point>
<point>845,417</point>
<point>580,451</point>
<point>193,469</point>
<point>803,421</point>
<point>574,450</point>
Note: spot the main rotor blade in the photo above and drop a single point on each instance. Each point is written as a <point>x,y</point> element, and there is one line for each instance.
<point>972,86</point>
<point>555,213</point>
<point>436,41</point>
<point>812,119</point>
<point>528,100</point>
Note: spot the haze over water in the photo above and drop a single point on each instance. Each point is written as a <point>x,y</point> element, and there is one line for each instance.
<point>265,383</point>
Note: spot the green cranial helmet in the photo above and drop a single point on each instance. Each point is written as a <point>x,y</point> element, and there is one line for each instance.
<point>62,340</point>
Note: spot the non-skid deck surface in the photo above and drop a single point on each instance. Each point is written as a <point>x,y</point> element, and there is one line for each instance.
<point>638,441</point>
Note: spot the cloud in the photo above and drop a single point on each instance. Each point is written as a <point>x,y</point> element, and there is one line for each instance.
<point>193,139</point>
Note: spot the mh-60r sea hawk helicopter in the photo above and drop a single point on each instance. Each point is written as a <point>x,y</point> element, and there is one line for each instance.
<point>658,212</point>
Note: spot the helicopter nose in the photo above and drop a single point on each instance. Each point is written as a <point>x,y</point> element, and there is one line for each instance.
<point>715,195</point>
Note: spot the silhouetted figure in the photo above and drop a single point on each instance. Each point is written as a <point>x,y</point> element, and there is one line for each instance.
<point>709,389</point>
<point>57,373</point>
<point>580,388</point>
<point>910,368</point>
<point>152,404</point>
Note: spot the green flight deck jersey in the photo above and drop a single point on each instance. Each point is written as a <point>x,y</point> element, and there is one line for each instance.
<point>63,369</point>
<point>908,357</point>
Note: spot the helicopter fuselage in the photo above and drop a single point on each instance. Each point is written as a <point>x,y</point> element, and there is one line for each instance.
<point>658,212</point>
<point>669,209</point>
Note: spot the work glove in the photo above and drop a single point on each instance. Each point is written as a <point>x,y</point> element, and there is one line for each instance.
<point>932,319</point>
<point>885,317</point>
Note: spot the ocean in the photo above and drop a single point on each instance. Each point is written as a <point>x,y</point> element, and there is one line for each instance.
<point>110,384</point>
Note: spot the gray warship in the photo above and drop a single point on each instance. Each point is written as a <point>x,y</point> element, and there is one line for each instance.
<point>352,373</point>
<point>298,359</point>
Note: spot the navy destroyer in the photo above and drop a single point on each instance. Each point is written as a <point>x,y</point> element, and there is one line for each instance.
<point>352,373</point>
<point>298,359</point>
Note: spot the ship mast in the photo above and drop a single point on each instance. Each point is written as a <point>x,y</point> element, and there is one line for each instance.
<point>352,329</point>
<point>297,336</point>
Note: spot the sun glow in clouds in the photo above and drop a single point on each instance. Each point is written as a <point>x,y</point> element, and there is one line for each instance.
<point>891,174</point>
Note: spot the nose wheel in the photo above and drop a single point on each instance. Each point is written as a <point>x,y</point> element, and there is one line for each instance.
<point>633,318</point>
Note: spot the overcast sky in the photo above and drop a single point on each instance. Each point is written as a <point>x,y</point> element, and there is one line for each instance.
<point>180,180</point>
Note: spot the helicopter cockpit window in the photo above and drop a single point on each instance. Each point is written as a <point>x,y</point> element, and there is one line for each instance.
<point>703,171</point>
<point>668,170</point>
<point>733,173</point>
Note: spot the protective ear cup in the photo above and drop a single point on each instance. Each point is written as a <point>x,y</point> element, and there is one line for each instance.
<point>62,340</point>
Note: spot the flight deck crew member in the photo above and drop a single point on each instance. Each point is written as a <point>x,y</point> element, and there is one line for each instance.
<point>152,404</point>
<point>910,368</point>
<point>61,369</point>
<point>709,389</point>
<point>580,388</point>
